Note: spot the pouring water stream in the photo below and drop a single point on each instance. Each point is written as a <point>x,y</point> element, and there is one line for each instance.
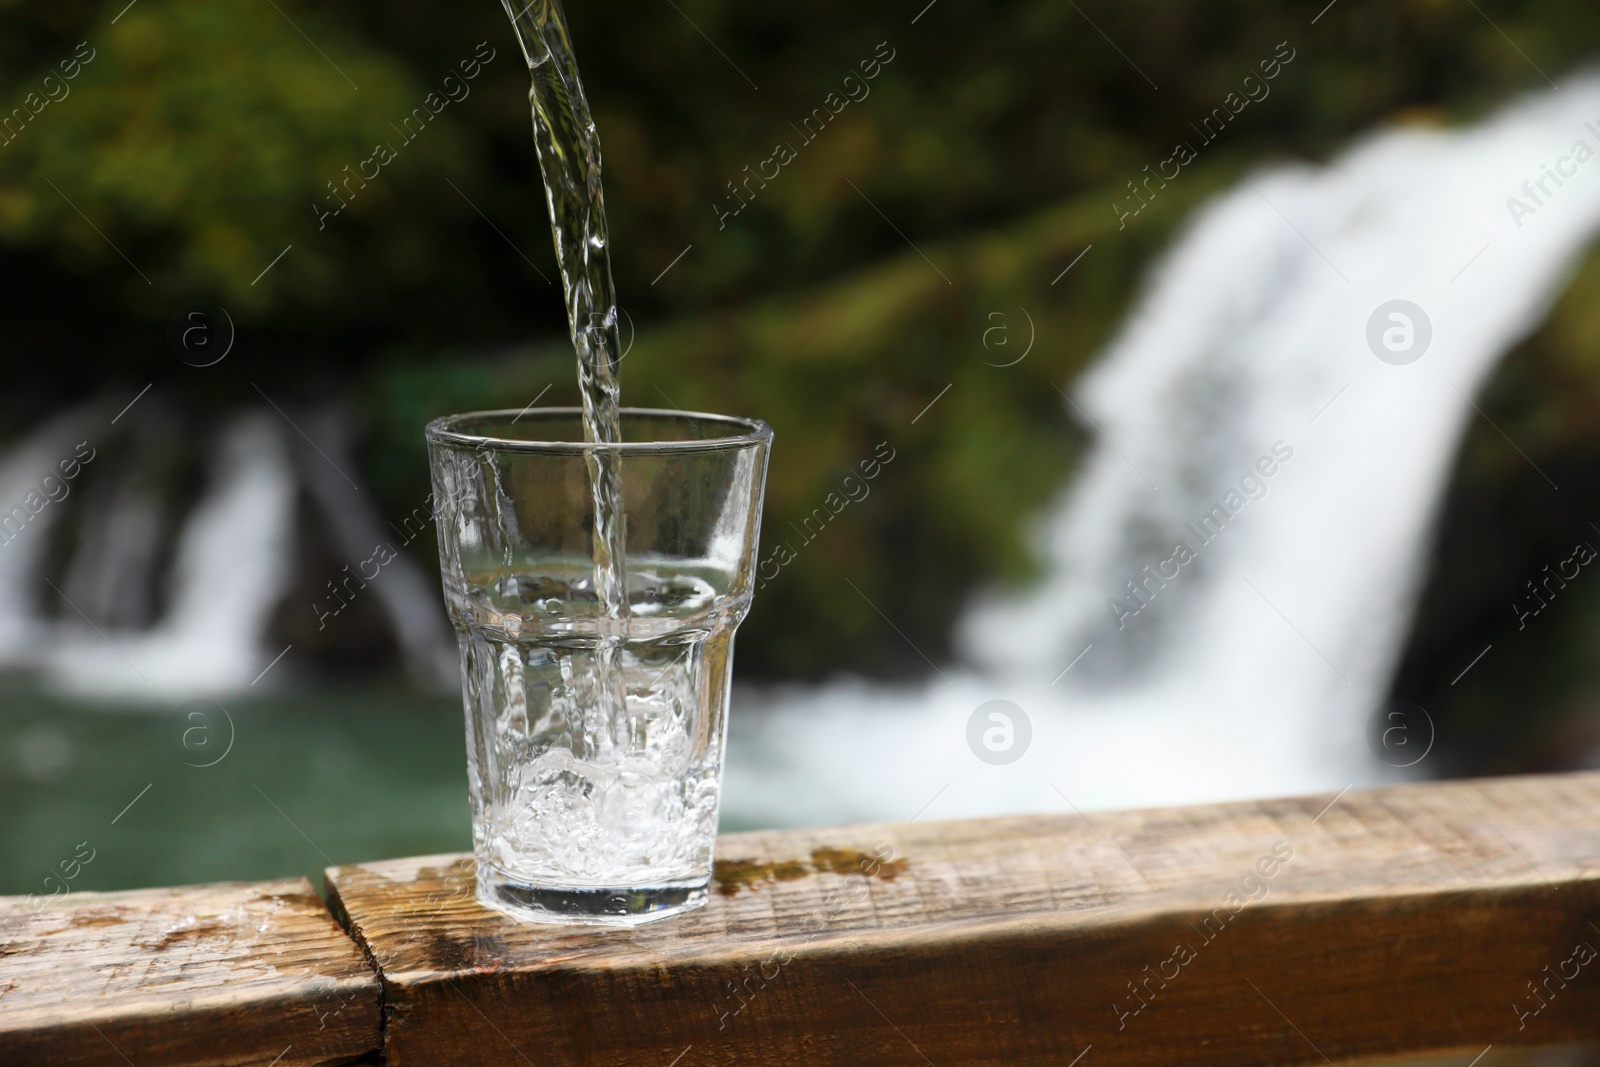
<point>569,159</point>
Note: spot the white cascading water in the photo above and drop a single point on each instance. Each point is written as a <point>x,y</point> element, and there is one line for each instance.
<point>1254,671</point>
<point>232,561</point>
<point>407,597</point>
<point>113,574</point>
<point>24,545</point>
<point>231,568</point>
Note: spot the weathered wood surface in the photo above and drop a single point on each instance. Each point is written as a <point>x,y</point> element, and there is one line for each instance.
<point>1404,920</point>
<point>228,974</point>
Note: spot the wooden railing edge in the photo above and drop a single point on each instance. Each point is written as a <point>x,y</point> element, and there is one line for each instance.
<point>1416,919</point>
<point>187,975</point>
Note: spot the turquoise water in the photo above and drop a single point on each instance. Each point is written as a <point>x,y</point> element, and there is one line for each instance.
<point>309,781</point>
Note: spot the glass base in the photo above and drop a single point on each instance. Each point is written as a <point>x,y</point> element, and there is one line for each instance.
<point>587,906</point>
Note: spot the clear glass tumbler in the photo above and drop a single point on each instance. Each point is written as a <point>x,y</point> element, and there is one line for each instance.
<point>595,740</point>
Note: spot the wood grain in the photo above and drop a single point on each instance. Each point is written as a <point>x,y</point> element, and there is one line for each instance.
<point>228,974</point>
<point>1412,919</point>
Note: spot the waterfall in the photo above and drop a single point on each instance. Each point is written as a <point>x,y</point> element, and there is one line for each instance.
<point>409,600</point>
<point>84,623</point>
<point>25,535</point>
<point>229,572</point>
<point>1263,409</point>
<point>119,527</point>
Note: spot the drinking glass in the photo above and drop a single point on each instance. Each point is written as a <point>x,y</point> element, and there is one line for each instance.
<point>595,739</point>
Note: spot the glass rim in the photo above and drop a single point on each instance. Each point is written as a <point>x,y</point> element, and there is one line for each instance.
<point>444,431</point>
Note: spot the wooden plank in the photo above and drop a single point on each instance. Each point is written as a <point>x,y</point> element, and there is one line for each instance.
<point>1422,918</point>
<point>228,974</point>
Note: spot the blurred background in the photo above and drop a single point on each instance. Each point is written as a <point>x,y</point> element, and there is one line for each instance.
<point>1072,280</point>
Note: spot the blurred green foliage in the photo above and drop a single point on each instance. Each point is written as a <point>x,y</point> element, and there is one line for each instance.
<point>997,139</point>
<point>195,141</point>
